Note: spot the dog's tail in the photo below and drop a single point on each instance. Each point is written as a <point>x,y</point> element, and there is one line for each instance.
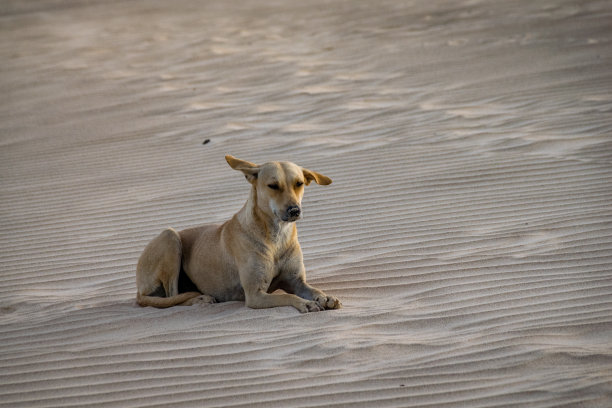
<point>163,302</point>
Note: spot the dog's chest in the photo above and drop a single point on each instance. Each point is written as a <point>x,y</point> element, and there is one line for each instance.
<point>281,234</point>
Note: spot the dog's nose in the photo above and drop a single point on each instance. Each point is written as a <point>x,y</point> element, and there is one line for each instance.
<point>293,211</point>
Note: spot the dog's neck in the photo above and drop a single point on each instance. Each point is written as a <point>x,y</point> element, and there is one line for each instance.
<point>253,219</point>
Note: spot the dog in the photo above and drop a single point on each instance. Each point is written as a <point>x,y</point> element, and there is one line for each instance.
<point>247,258</point>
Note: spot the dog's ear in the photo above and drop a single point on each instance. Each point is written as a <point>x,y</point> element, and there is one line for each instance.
<point>250,170</point>
<point>310,175</point>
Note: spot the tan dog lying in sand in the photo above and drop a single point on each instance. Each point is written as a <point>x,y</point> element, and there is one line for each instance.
<point>246,258</point>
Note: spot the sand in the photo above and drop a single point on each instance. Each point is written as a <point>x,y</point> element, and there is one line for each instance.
<point>468,230</point>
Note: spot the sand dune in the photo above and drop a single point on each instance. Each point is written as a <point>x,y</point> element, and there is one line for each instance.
<point>468,230</point>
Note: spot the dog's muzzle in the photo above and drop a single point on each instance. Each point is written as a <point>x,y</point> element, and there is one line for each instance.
<point>292,214</point>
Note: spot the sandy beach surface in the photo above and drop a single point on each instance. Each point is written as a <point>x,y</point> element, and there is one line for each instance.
<point>468,230</point>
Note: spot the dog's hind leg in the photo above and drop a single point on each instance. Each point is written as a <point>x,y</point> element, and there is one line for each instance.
<point>171,284</point>
<point>160,266</point>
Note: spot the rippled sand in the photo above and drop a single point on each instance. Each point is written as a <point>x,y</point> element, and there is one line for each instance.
<point>468,230</point>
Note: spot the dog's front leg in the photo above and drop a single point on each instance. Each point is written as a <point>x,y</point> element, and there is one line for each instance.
<point>256,279</point>
<point>304,290</point>
<point>293,280</point>
<point>262,300</point>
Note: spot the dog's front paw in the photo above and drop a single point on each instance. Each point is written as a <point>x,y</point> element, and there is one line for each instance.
<point>328,302</point>
<point>309,306</point>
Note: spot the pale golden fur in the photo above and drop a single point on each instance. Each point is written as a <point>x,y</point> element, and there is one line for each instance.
<point>247,258</point>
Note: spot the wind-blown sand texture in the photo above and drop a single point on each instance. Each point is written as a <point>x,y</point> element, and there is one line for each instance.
<point>468,230</point>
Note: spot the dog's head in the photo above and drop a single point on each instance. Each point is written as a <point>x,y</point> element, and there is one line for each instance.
<point>279,186</point>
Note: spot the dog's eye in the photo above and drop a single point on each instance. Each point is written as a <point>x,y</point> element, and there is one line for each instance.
<point>273,186</point>
<point>299,184</point>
